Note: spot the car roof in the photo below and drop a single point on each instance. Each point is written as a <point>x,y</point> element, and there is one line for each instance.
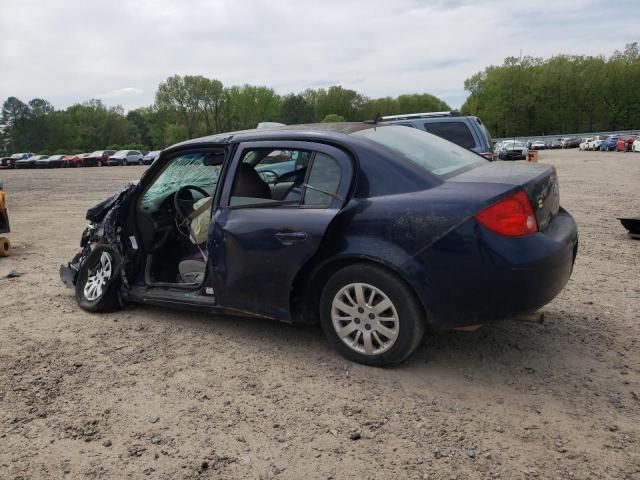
<point>338,132</point>
<point>384,172</point>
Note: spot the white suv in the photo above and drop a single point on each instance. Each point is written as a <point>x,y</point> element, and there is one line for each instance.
<point>584,145</point>
<point>594,143</point>
<point>126,157</point>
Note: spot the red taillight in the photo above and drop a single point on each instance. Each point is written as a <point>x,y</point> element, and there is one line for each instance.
<point>512,216</point>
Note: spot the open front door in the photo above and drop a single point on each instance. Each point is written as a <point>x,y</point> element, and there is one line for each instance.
<point>278,200</point>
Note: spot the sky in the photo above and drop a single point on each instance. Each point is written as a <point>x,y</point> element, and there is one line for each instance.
<point>120,50</point>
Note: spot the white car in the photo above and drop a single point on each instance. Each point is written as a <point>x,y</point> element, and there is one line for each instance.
<point>636,146</point>
<point>584,145</point>
<point>594,143</point>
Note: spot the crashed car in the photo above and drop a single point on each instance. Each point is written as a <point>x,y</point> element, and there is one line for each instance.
<point>377,232</point>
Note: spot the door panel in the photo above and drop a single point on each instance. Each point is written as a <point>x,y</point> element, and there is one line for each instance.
<point>256,252</point>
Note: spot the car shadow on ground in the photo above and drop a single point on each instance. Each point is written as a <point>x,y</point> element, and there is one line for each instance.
<point>507,347</point>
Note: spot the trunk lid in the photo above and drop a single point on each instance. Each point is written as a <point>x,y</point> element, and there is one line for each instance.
<point>539,181</point>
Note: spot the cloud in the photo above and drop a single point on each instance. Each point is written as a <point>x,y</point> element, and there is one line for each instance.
<point>119,93</point>
<point>73,49</point>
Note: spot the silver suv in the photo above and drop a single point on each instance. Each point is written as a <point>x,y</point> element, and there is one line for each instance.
<point>126,157</point>
<point>467,131</point>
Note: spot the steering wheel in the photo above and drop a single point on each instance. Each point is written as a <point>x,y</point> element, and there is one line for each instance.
<point>179,199</point>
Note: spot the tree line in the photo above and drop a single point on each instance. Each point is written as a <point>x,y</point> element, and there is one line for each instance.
<point>562,94</point>
<point>186,107</point>
<point>524,96</point>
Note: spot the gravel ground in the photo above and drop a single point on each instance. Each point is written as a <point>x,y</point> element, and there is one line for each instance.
<point>167,394</point>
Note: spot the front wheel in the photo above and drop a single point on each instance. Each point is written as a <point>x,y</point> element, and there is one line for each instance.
<point>371,316</point>
<point>98,281</point>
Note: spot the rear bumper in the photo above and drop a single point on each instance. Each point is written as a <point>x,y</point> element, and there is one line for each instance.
<point>495,278</point>
<point>513,156</point>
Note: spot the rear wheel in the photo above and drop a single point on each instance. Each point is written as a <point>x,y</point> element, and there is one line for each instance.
<point>370,316</point>
<point>99,280</point>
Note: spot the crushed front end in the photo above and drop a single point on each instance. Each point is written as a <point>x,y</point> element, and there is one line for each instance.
<point>104,229</point>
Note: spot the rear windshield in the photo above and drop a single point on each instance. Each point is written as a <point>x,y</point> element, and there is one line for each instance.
<point>439,156</point>
<point>456,132</point>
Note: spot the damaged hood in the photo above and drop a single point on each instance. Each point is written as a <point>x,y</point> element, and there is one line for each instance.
<point>97,213</point>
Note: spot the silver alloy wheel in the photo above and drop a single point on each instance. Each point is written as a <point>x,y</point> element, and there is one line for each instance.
<point>365,318</point>
<point>98,278</point>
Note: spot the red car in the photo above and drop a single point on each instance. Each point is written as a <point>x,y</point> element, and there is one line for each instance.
<point>73,160</point>
<point>625,143</point>
<point>98,158</point>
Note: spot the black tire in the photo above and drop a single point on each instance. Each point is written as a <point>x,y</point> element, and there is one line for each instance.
<point>109,300</point>
<point>140,162</point>
<point>411,318</point>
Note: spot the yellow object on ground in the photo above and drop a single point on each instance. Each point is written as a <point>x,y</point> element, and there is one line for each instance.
<point>2,199</point>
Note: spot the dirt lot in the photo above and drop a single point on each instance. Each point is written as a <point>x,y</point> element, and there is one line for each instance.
<point>168,394</point>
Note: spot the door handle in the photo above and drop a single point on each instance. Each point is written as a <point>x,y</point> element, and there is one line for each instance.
<point>288,238</point>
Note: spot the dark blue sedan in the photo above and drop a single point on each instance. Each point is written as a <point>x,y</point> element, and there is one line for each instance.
<point>376,232</point>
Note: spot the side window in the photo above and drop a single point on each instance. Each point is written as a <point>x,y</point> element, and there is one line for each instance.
<point>270,175</point>
<point>285,178</point>
<point>456,132</point>
<point>323,181</point>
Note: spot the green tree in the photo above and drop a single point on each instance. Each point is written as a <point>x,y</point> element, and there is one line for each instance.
<point>338,100</point>
<point>296,109</point>
<point>333,118</point>
<point>562,94</point>
<point>15,118</point>
<point>184,97</point>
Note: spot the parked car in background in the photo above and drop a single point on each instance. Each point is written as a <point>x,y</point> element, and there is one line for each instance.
<point>625,143</point>
<point>383,232</point>
<point>584,144</point>
<point>538,145</point>
<point>570,142</point>
<point>54,161</point>
<point>150,157</point>
<point>99,158</point>
<point>595,142</point>
<point>609,143</point>
<point>126,157</point>
<point>10,162</point>
<point>512,150</point>
<point>30,162</point>
<point>467,131</point>
<point>74,161</point>
<point>636,146</point>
